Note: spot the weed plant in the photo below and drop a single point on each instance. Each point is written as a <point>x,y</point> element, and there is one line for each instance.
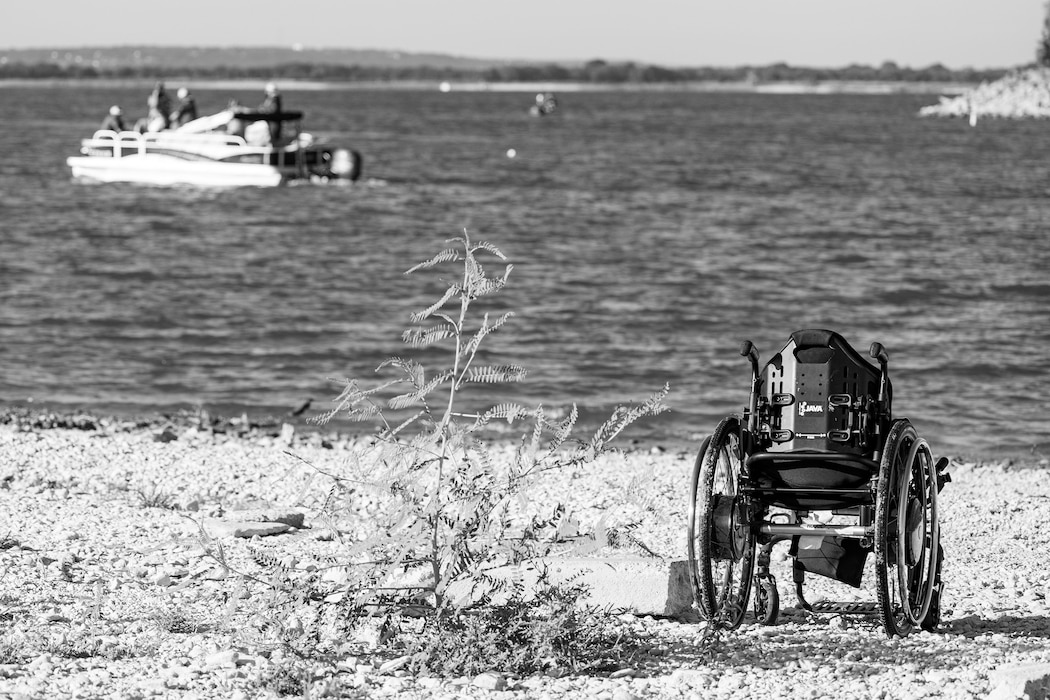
<point>457,519</point>
<point>153,496</point>
<point>550,631</point>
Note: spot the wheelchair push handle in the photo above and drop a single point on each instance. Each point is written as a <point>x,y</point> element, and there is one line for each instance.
<point>748,350</point>
<point>877,352</point>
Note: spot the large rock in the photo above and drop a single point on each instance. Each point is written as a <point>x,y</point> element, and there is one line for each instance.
<point>292,518</point>
<point>1020,94</point>
<point>1020,682</point>
<point>246,529</point>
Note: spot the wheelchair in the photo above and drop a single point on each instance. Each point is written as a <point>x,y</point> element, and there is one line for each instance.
<point>818,460</point>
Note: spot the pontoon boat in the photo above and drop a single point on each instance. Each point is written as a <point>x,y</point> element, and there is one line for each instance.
<point>229,149</point>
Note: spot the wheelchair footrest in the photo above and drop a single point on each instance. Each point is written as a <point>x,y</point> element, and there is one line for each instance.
<point>845,608</point>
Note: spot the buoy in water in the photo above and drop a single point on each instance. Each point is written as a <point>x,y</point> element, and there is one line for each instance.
<point>445,86</point>
<point>511,153</point>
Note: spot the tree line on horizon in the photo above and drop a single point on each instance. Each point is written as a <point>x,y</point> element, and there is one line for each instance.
<point>1042,50</point>
<point>595,72</point>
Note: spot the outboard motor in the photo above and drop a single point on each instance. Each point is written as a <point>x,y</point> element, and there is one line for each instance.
<point>346,164</point>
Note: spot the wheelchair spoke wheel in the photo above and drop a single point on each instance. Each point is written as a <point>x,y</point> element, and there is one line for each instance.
<point>907,535</point>
<point>721,544</point>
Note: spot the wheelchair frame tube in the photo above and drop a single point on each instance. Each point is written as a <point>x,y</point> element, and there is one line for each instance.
<point>854,531</point>
<point>878,353</point>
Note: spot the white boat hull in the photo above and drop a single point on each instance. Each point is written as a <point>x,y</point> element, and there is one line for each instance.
<point>163,170</point>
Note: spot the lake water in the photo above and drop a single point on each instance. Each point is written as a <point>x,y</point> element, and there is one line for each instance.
<point>651,232</point>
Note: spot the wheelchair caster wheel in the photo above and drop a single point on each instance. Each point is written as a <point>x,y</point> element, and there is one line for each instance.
<point>933,617</point>
<point>767,601</point>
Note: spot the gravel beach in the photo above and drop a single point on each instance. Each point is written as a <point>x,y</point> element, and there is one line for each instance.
<point>106,590</point>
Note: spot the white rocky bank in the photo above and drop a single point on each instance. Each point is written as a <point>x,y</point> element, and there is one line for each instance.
<point>104,596</point>
<point>1019,95</point>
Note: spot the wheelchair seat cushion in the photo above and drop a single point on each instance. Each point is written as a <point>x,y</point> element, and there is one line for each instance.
<point>812,480</point>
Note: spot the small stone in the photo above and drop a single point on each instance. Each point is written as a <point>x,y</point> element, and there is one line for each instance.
<point>490,681</point>
<point>837,622</point>
<point>228,657</point>
<point>394,664</point>
<point>216,573</point>
<point>690,677</point>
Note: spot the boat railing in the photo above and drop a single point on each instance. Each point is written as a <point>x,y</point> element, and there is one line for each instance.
<point>133,141</point>
<point>175,138</point>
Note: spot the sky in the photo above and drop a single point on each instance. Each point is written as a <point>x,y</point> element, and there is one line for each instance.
<point>673,33</point>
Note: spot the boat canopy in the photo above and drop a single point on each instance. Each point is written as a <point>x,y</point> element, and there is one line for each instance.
<point>268,116</point>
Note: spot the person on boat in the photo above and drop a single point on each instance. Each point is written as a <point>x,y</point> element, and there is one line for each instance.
<point>272,105</point>
<point>159,105</point>
<point>114,121</point>
<point>186,109</point>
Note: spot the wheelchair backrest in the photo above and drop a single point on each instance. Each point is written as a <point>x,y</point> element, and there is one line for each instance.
<point>819,394</point>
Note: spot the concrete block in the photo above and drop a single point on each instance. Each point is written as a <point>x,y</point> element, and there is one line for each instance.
<point>636,585</point>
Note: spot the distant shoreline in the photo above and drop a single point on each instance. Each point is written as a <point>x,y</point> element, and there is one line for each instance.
<point>829,87</point>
